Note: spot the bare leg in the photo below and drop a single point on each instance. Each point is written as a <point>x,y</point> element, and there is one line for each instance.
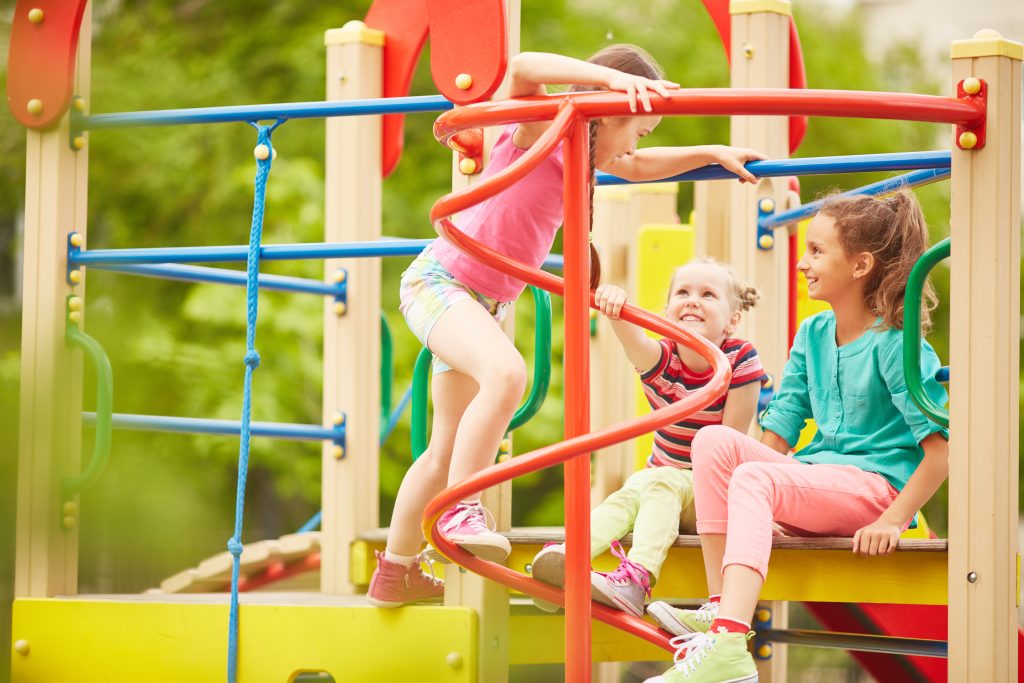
<point>740,590</point>
<point>713,549</point>
<point>467,338</point>
<point>473,404</point>
<point>428,476</point>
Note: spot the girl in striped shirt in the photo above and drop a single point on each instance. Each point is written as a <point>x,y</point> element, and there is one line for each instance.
<point>707,298</point>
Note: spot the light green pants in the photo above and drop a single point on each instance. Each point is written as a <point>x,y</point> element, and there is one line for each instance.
<point>654,503</point>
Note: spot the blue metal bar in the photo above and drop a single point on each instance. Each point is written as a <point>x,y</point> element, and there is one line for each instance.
<point>857,163</point>
<point>263,112</point>
<point>269,252</point>
<point>310,524</point>
<point>396,414</point>
<point>281,283</point>
<point>912,179</point>
<point>193,425</point>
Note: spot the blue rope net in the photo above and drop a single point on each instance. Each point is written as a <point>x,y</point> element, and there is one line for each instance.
<point>252,361</point>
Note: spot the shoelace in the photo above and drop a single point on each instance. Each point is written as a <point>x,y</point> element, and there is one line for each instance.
<point>627,571</point>
<point>423,557</point>
<point>707,612</point>
<point>691,651</point>
<point>476,516</point>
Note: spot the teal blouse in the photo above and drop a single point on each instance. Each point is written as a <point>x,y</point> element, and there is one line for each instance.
<point>857,395</point>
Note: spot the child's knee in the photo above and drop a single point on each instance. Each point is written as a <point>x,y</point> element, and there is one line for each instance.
<point>508,375</point>
<point>710,442</point>
<point>755,476</point>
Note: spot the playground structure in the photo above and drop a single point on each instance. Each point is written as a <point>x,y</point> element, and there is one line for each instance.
<point>477,635</point>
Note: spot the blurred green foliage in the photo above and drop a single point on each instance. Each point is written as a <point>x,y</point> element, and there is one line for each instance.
<point>166,501</point>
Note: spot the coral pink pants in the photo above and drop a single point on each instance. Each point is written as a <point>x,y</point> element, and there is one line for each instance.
<point>741,486</point>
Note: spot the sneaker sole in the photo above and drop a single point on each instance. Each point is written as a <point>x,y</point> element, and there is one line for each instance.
<point>597,594</point>
<point>664,616</point>
<point>549,568</point>
<point>387,604</point>
<point>485,551</point>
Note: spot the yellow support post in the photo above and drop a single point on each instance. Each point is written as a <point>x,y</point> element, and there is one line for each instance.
<point>760,59</point>
<point>352,212</point>
<point>984,338</point>
<point>56,192</point>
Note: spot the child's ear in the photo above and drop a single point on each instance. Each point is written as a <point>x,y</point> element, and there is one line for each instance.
<point>863,264</point>
<point>734,322</point>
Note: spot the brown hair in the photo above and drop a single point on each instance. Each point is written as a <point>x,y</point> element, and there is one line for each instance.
<point>742,297</point>
<point>893,230</point>
<point>629,59</point>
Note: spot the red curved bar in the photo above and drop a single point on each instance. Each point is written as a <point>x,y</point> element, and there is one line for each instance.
<point>966,112</point>
<point>565,119</point>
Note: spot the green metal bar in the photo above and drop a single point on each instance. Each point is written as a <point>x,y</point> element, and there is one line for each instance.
<point>418,426</point>
<point>912,333</point>
<point>104,411</point>
<point>538,392</point>
<point>541,360</point>
<point>387,375</point>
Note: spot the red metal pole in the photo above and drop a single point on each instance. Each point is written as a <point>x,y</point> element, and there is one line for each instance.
<point>576,173</point>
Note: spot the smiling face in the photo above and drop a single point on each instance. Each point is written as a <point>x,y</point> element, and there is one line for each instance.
<point>829,270</point>
<point>619,136</point>
<point>701,299</point>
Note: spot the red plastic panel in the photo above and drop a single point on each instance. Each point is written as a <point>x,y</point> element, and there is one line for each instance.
<point>41,61</point>
<point>467,37</point>
<point>719,12</point>
<point>405,24</point>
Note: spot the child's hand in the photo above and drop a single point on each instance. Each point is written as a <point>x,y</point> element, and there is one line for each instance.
<point>638,86</point>
<point>877,538</point>
<point>610,300</point>
<point>733,158</point>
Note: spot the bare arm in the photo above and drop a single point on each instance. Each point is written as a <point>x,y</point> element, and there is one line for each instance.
<point>881,536</point>
<point>642,351</point>
<point>774,441</point>
<point>655,163</point>
<point>740,406</point>
<point>530,71</point>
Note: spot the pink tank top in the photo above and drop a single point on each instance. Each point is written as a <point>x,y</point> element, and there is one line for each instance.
<point>520,222</point>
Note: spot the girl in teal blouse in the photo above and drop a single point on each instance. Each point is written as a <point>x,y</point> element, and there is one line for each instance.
<point>875,460</point>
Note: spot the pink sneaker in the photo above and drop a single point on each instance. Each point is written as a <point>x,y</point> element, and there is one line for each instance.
<point>467,526</point>
<point>625,588</point>
<point>393,584</point>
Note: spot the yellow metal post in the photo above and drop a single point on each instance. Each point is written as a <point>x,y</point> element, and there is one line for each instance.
<point>984,347</point>
<point>352,212</point>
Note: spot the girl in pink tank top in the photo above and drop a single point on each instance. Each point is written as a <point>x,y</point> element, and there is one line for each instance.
<point>454,304</point>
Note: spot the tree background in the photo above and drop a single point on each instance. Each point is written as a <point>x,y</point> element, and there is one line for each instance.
<point>166,501</point>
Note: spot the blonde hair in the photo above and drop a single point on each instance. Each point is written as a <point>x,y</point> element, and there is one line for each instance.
<point>894,231</point>
<point>742,297</point>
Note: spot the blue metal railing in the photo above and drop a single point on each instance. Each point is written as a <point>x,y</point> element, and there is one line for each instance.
<point>263,112</point>
<point>194,425</point>
<point>912,179</point>
<point>855,163</point>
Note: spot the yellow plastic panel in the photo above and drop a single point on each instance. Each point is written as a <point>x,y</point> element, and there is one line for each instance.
<point>805,308</point>
<point>660,249</point>
<point>910,577</point>
<point>133,640</point>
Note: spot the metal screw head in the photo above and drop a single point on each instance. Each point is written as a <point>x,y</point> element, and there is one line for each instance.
<point>528,568</point>
<point>972,577</point>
